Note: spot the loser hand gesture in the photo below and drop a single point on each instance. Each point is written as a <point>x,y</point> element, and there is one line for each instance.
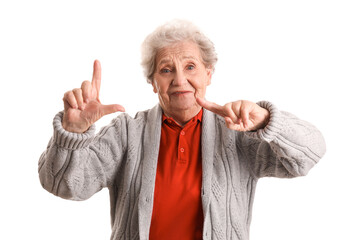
<point>82,106</point>
<point>239,115</point>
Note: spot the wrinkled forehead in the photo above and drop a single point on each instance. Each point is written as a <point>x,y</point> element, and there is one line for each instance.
<point>181,51</point>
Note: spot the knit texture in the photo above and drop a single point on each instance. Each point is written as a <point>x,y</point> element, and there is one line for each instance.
<point>123,157</point>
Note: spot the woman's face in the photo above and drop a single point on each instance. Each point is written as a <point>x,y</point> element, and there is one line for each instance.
<point>180,76</point>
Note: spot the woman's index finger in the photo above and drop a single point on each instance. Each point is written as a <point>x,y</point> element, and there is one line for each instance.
<point>96,79</point>
<point>211,106</point>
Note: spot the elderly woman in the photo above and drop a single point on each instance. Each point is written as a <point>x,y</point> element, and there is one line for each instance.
<point>185,169</point>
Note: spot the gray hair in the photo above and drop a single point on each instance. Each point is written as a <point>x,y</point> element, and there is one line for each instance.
<point>173,32</point>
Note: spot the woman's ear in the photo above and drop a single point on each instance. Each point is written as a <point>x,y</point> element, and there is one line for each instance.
<point>153,83</point>
<point>209,72</point>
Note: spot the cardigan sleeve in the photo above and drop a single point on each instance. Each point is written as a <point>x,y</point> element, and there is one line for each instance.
<point>287,147</point>
<point>75,166</point>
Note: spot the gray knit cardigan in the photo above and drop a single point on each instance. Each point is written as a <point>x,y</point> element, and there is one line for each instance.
<point>123,157</point>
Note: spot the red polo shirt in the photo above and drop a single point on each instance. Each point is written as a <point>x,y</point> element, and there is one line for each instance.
<point>177,211</point>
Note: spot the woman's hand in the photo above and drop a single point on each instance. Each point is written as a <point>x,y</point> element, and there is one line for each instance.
<point>241,115</point>
<point>82,106</point>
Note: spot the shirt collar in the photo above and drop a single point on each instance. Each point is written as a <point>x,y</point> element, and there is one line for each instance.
<point>196,118</point>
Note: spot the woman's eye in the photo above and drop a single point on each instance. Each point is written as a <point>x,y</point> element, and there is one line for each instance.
<point>165,70</point>
<point>190,67</point>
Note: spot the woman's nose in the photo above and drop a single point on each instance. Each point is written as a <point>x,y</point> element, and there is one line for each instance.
<point>179,78</point>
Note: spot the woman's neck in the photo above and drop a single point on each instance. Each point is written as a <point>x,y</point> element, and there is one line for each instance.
<point>183,117</point>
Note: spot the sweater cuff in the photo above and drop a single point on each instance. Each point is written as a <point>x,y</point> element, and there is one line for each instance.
<point>70,140</point>
<point>274,126</point>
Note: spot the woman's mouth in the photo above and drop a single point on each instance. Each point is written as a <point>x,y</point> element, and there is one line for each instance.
<point>180,93</point>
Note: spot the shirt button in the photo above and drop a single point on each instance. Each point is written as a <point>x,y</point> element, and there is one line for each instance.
<point>182,133</point>
<point>182,150</point>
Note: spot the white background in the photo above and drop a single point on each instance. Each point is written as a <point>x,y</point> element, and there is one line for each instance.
<point>303,56</point>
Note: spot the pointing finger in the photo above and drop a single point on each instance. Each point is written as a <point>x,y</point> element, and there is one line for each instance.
<point>213,107</point>
<point>96,79</point>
